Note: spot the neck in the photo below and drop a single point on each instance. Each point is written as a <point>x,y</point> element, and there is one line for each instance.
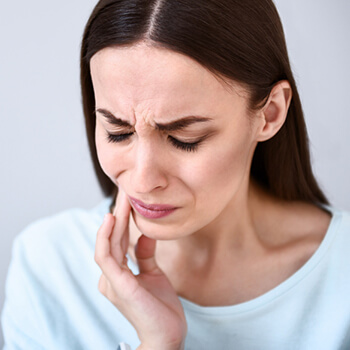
<point>255,244</point>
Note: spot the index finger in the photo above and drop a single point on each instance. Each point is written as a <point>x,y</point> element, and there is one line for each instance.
<point>120,236</point>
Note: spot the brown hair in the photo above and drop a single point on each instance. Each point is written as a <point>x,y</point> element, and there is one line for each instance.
<point>237,40</point>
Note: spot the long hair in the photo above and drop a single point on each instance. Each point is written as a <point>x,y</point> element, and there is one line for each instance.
<point>237,40</point>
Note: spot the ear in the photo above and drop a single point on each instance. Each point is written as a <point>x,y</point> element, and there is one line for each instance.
<point>275,110</point>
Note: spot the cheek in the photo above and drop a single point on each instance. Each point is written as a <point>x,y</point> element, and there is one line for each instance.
<point>218,177</point>
<point>219,168</point>
<point>106,155</point>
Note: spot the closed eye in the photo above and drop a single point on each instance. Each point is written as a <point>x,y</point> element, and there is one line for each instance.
<point>185,146</point>
<point>118,137</point>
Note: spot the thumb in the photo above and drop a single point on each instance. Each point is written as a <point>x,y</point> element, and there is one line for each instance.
<point>145,254</point>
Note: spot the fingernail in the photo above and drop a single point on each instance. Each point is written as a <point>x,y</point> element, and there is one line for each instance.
<point>105,218</point>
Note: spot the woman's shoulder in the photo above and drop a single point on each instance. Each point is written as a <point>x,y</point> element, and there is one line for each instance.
<point>68,233</point>
<point>52,251</point>
<point>60,225</point>
<point>333,255</point>
<point>51,288</point>
<point>332,231</point>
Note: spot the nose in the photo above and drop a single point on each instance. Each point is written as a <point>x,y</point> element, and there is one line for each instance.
<point>148,173</point>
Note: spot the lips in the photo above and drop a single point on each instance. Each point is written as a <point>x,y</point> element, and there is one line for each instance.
<point>152,211</point>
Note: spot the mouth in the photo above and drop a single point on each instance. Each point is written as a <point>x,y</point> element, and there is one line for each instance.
<point>151,211</point>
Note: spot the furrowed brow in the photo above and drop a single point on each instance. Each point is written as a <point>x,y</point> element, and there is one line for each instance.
<point>112,119</point>
<point>181,123</point>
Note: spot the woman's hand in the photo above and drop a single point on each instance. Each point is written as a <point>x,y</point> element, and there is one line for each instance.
<point>147,300</point>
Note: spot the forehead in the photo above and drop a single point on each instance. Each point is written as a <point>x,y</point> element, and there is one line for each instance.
<point>164,81</point>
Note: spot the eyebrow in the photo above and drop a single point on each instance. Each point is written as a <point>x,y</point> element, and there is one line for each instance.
<point>176,125</point>
<point>113,119</point>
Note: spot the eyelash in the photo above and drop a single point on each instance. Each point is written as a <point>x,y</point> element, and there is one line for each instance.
<point>118,137</point>
<point>184,146</point>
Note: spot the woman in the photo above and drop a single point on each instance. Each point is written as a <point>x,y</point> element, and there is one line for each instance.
<point>221,237</point>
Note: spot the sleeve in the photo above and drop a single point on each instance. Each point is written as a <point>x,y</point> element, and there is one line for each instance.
<point>20,325</point>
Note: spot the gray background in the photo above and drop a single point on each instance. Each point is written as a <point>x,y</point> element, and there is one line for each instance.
<point>45,165</point>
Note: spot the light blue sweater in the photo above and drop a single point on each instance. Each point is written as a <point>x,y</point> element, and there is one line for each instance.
<point>52,300</point>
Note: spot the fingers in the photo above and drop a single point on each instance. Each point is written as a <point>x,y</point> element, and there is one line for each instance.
<point>122,208</point>
<point>113,236</point>
<point>120,235</point>
<point>117,281</point>
<point>145,255</point>
<point>103,249</point>
<point>114,269</point>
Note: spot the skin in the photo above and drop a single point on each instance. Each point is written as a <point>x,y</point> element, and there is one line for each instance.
<point>221,246</point>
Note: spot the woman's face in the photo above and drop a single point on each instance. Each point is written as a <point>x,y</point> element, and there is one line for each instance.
<point>173,137</point>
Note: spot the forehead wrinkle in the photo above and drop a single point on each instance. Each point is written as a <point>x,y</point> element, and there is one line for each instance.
<point>143,117</point>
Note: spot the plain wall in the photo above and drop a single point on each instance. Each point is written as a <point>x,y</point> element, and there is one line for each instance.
<point>45,164</point>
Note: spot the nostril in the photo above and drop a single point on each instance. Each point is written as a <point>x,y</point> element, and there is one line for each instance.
<point>147,180</point>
